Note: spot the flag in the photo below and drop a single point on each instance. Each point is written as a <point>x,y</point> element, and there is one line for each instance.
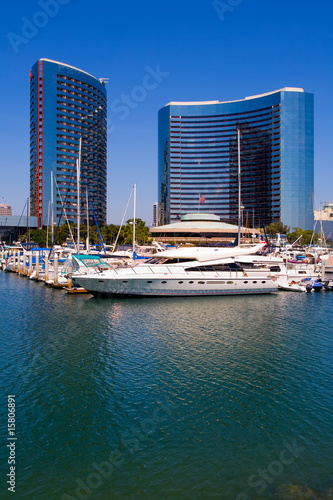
<point>202,199</point>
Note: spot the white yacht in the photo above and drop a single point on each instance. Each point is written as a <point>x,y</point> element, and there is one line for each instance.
<point>280,268</point>
<point>186,271</point>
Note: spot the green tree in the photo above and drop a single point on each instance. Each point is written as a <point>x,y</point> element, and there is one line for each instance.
<point>37,236</point>
<point>277,227</point>
<point>142,234</point>
<point>61,234</point>
<point>306,236</point>
<point>109,233</point>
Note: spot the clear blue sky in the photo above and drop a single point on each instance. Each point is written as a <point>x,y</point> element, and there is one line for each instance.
<point>255,46</point>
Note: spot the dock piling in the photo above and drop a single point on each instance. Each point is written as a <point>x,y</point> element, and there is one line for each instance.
<point>70,272</point>
<point>56,257</point>
<point>37,266</point>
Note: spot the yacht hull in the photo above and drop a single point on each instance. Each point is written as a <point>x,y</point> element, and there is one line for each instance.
<point>176,286</point>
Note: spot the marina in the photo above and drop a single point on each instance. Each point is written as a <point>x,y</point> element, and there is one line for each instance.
<point>177,271</point>
<point>166,251</point>
<point>200,397</point>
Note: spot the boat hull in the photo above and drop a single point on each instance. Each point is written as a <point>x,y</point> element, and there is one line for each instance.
<point>289,287</point>
<point>180,286</point>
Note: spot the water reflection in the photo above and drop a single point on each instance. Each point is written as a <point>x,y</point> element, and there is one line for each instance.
<point>240,376</point>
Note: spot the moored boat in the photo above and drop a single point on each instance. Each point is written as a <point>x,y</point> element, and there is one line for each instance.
<point>194,271</point>
<point>290,287</point>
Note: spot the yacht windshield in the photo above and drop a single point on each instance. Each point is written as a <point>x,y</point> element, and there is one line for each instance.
<point>216,268</point>
<point>165,260</point>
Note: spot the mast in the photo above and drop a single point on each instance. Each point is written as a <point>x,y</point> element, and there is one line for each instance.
<point>134,196</point>
<point>239,186</point>
<point>52,222</point>
<point>78,174</point>
<point>47,227</point>
<point>28,227</point>
<point>322,234</point>
<point>87,241</point>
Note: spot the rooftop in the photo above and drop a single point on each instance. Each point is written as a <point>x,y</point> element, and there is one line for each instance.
<point>199,223</point>
<point>68,66</point>
<point>183,103</point>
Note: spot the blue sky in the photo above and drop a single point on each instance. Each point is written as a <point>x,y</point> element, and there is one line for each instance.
<point>201,51</point>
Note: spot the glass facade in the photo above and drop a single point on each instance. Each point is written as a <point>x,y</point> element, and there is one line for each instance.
<point>67,107</point>
<point>198,159</point>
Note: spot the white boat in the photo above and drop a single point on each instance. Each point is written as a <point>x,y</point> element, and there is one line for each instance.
<point>186,271</point>
<point>290,287</point>
<point>295,272</point>
<point>75,264</point>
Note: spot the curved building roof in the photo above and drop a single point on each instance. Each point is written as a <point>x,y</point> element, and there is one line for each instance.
<point>285,89</point>
<point>199,223</point>
<point>68,66</point>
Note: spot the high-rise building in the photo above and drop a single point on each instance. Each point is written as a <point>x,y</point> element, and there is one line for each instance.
<point>67,115</point>
<point>155,214</point>
<point>198,159</point>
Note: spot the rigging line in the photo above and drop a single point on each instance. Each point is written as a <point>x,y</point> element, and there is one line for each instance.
<point>63,206</point>
<point>19,221</point>
<point>121,225</point>
<point>62,210</point>
<point>92,208</point>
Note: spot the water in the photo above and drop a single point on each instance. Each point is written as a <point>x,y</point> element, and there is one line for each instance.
<point>171,398</point>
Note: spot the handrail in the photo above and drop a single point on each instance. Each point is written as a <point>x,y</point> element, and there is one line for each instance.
<point>154,271</point>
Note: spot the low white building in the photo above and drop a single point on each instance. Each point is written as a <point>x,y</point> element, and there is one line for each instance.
<point>199,228</point>
<point>5,209</point>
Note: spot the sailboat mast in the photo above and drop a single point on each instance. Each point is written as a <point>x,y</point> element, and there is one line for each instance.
<point>28,225</point>
<point>47,227</point>
<point>134,196</point>
<point>239,186</point>
<point>87,241</point>
<point>52,221</point>
<point>78,174</point>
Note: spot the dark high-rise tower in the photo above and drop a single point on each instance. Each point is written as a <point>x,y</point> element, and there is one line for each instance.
<point>198,158</point>
<point>67,108</point>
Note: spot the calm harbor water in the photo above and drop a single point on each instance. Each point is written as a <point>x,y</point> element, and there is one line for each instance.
<point>193,398</point>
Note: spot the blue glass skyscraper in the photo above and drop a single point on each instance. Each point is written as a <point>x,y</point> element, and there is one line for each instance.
<point>67,108</point>
<point>198,158</point>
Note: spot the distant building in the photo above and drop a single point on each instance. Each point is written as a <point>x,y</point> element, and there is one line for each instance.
<point>155,215</point>
<point>326,213</point>
<point>67,107</point>
<point>198,158</point>
<point>5,209</point>
<point>14,226</point>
